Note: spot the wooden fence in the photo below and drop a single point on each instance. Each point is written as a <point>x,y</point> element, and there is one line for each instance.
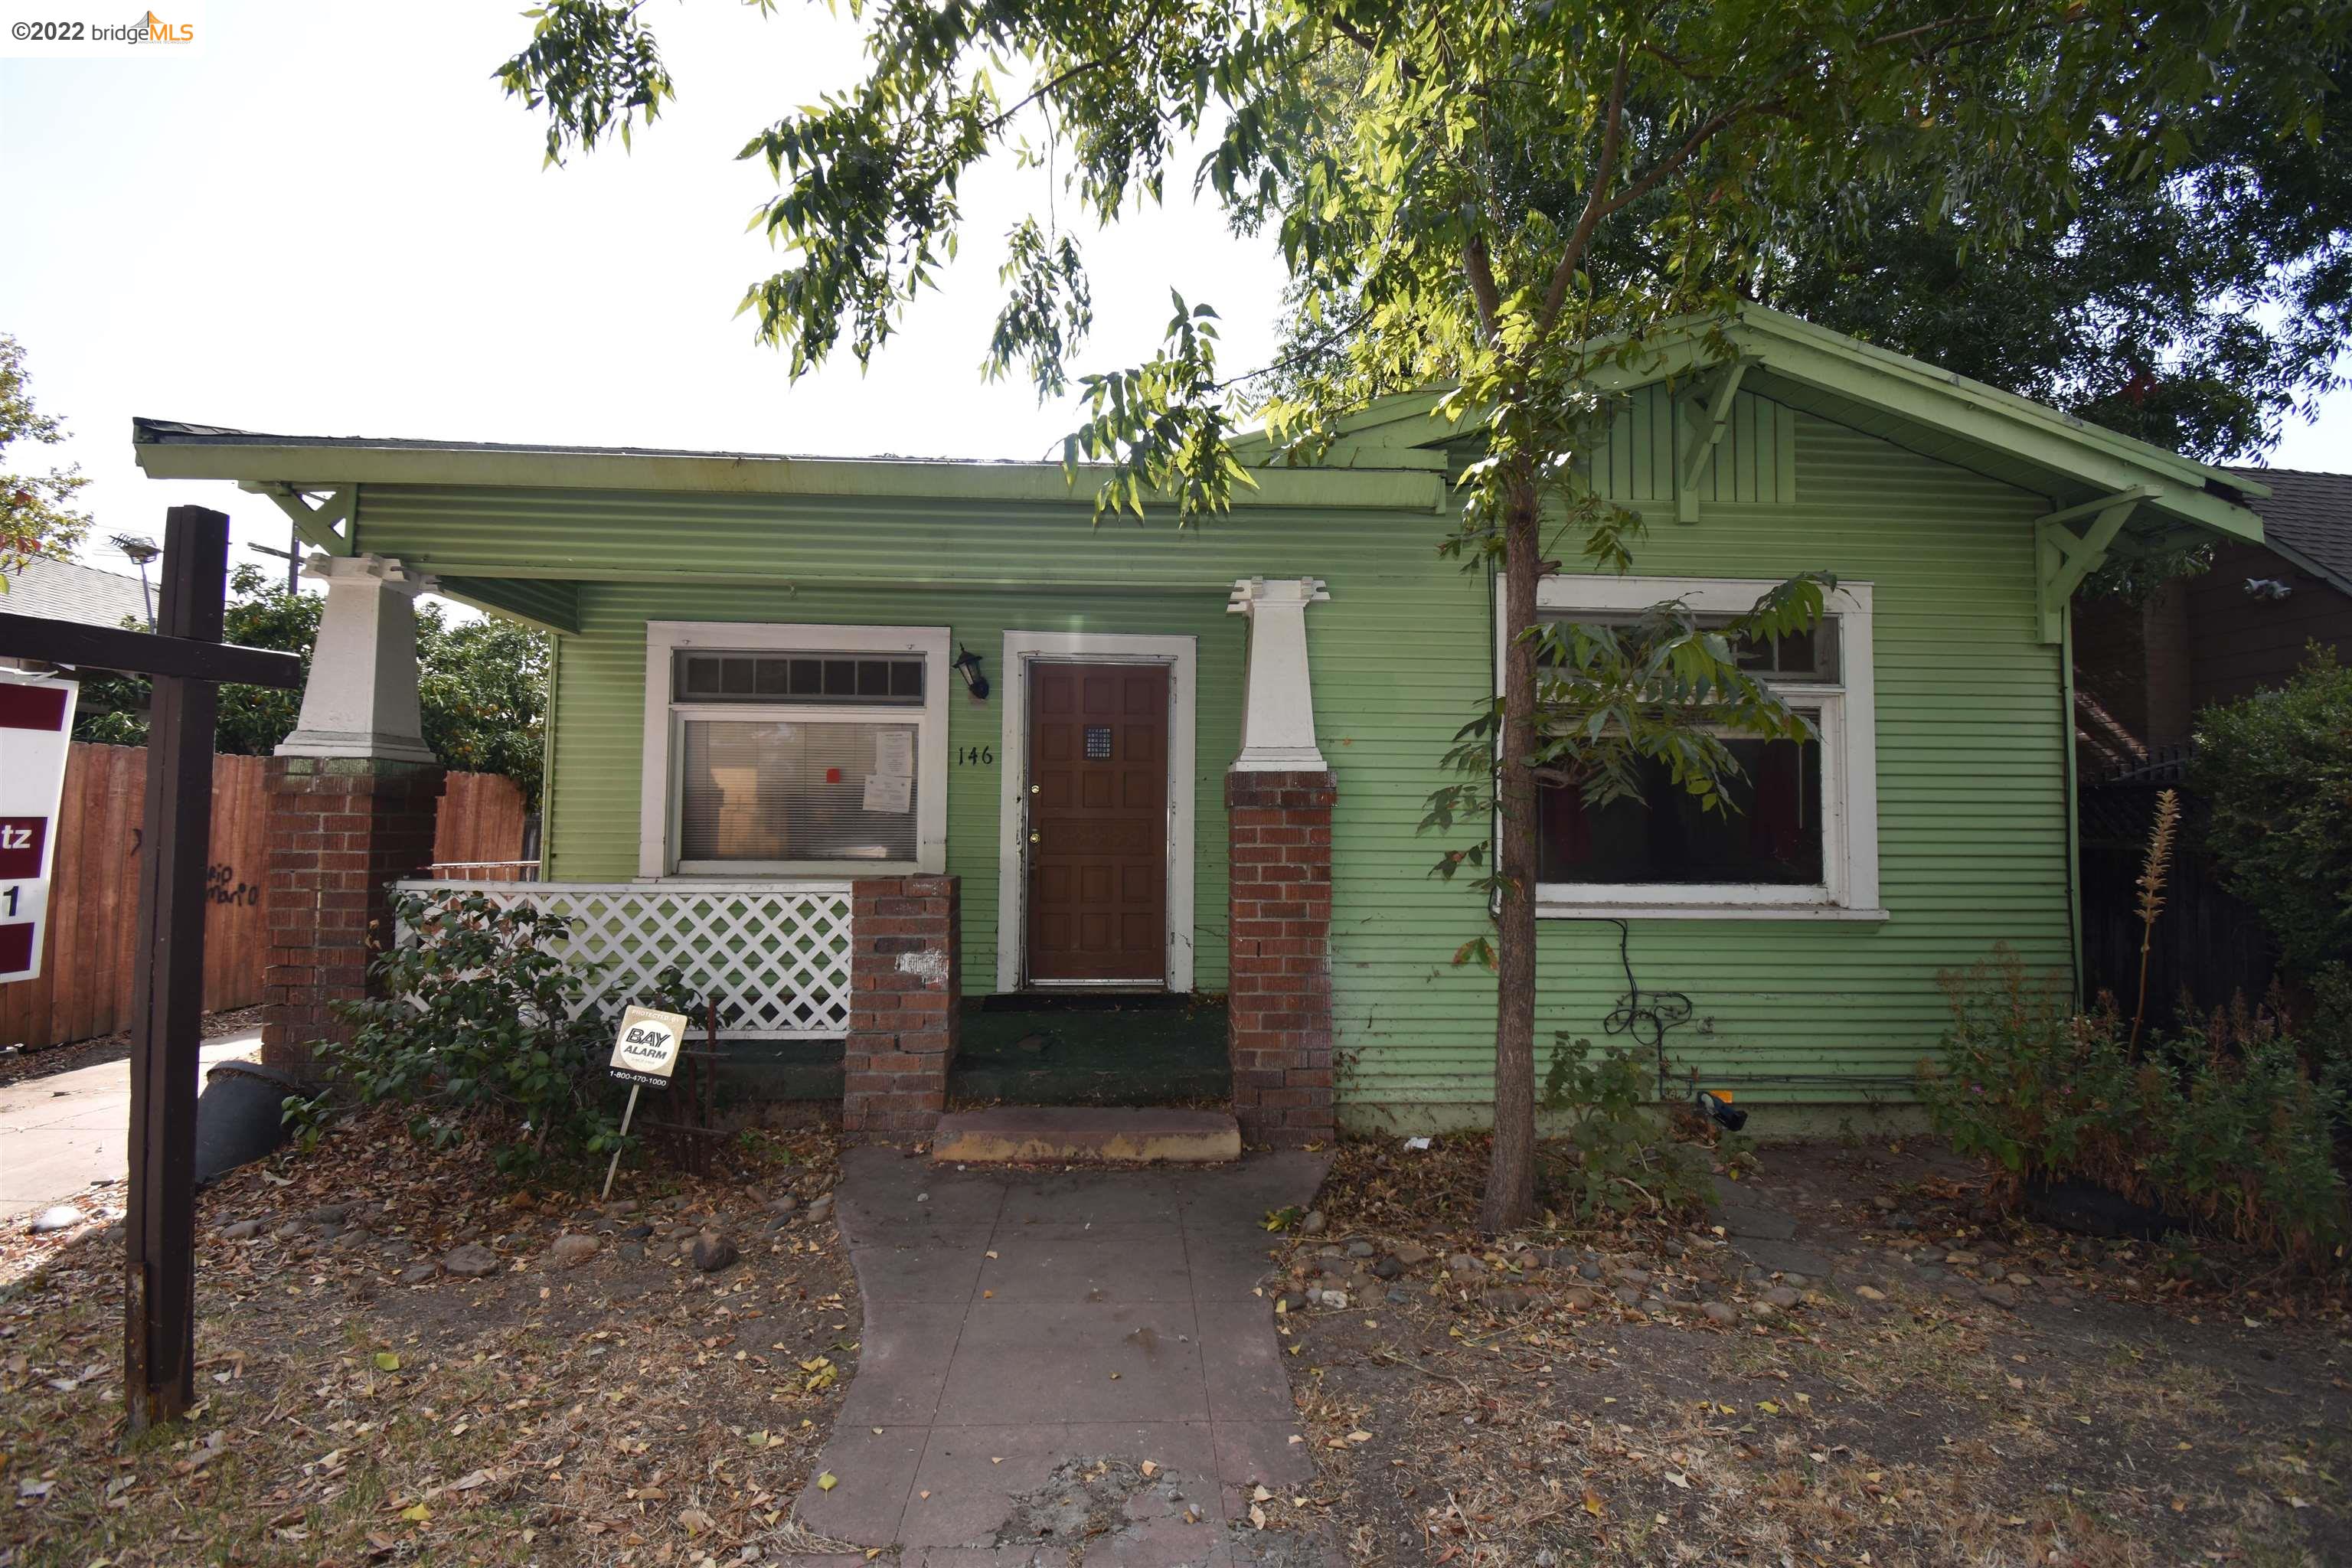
<point>84,989</point>
<point>478,837</point>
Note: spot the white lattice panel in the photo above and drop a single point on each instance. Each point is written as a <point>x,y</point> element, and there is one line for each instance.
<point>776,955</point>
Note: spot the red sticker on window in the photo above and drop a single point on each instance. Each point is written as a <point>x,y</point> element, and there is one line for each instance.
<point>833,775</point>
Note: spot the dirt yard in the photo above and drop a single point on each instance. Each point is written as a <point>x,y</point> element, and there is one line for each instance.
<point>366,1400</point>
<point>1889,1381</point>
<point>1849,1364</point>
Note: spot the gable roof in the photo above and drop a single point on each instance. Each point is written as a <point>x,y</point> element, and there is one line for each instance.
<point>1903,400</point>
<point>2307,517</point>
<point>69,591</point>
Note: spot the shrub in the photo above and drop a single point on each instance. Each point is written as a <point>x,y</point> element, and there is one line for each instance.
<point>478,1023</point>
<point>2223,1123</point>
<point>1620,1156</point>
<point>2277,769</point>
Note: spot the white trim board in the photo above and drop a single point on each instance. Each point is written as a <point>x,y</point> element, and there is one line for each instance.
<point>1849,734</point>
<point>1181,655</point>
<point>657,796</point>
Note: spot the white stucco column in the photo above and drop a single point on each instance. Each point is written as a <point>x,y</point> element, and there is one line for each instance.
<point>1278,711</point>
<point>361,701</point>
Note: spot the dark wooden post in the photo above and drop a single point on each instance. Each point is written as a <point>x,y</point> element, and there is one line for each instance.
<point>168,988</point>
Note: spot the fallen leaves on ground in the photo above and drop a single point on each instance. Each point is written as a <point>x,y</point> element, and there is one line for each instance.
<point>1562,1396</point>
<point>613,1411</point>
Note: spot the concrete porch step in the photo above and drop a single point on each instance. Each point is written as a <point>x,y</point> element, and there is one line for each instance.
<point>1085,1134</point>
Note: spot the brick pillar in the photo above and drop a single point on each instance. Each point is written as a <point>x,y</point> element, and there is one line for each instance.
<point>1278,1024</point>
<point>340,830</point>
<point>905,979</point>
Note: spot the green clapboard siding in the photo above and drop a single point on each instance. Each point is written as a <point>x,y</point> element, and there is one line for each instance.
<point>592,807</point>
<point>1972,805</point>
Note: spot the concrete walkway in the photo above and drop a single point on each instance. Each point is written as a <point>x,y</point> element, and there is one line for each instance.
<point>1021,1329</point>
<point>58,1135</point>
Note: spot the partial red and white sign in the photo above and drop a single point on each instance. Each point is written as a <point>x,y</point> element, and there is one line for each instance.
<point>37,716</point>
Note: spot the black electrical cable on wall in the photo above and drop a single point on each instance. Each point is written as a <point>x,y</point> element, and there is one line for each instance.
<point>1646,1015</point>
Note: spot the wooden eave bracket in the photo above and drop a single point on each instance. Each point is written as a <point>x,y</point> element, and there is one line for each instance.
<point>1706,411</point>
<point>2064,556</point>
<point>325,525</point>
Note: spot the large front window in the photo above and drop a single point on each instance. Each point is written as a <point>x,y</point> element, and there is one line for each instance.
<point>1800,835</point>
<point>794,749</point>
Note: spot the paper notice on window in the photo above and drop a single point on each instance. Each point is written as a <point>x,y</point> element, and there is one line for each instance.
<point>894,755</point>
<point>890,792</point>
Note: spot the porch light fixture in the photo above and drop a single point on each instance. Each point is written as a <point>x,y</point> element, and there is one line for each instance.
<point>967,664</point>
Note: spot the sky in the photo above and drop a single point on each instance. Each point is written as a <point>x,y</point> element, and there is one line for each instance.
<point>331,221</point>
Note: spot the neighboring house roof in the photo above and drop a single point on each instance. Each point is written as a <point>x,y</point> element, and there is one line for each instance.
<point>2307,517</point>
<point>1381,459</point>
<point>69,591</point>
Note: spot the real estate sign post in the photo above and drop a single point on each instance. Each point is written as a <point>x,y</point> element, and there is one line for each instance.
<point>186,660</point>
<point>37,713</point>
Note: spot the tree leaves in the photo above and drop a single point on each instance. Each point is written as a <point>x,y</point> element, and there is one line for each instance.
<point>38,515</point>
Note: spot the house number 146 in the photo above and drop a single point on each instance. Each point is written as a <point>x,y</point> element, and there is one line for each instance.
<point>976,756</point>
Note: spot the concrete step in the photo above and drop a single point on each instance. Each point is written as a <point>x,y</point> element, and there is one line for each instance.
<point>1086,1134</point>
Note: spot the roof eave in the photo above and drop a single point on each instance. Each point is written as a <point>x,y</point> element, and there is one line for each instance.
<point>307,465</point>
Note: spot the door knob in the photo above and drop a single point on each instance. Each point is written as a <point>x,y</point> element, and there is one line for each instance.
<point>1034,837</point>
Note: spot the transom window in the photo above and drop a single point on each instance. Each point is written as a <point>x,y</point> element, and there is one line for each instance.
<point>793,748</point>
<point>1801,836</point>
<point>799,677</point>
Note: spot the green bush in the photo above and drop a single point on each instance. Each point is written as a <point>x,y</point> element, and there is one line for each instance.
<point>478,1023</point>
<point>2277,770</point>
<point>1622,1155</point>
<point>2223,1123</point>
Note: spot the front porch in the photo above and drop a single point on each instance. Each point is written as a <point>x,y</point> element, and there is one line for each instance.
<point>891,993</point>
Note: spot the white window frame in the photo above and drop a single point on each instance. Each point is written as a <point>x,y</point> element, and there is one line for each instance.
<point>658,836</point>
<point>1849,741</point>
<point>1181,655</point>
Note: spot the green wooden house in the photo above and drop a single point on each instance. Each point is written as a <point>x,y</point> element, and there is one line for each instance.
<point>768,692</point>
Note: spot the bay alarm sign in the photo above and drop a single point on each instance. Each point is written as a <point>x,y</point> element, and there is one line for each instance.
<point>37,715</point>
<point>646,1050</point>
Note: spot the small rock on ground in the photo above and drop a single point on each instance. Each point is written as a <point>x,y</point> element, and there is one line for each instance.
<point>243,1230</point>
<point>471,1261</point>
<point>822,1208</point>
<point>417,1274</point>
<point>713,1253</point>
<point>571,1252</point>
<point>1313,1224</point>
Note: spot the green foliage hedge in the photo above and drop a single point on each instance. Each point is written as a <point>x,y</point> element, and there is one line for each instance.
<point>480,1022</point>
<point>2226,1124</point>
<point>2277,770</point>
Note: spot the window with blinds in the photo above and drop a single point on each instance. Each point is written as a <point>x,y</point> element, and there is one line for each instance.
<point>763,790</point>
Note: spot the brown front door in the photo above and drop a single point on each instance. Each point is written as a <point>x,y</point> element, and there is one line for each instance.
<point>1099,822</point>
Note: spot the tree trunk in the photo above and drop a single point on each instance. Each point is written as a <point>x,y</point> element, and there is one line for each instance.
<point>1510,1197</point>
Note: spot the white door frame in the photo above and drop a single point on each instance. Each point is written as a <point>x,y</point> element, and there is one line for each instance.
<point>1182,657</point>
